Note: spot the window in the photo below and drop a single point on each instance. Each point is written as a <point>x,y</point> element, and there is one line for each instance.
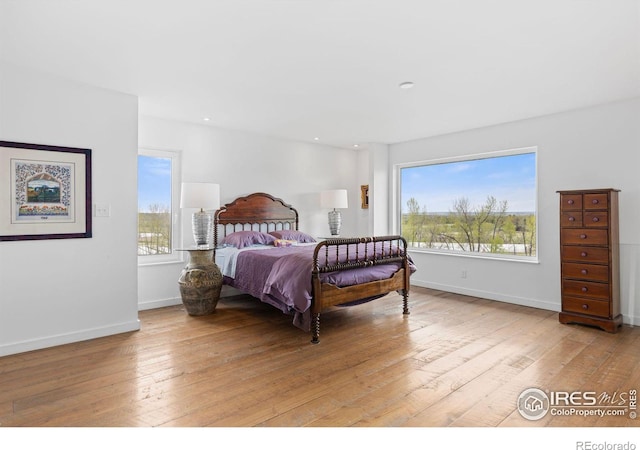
<point>158,188</point>
<point>482,204</point>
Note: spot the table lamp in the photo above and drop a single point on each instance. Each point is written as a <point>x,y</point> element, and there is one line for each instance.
<point>206,198</point>
<point>334,199</point>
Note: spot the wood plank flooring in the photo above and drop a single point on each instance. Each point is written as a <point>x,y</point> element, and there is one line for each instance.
<point>456,361</point>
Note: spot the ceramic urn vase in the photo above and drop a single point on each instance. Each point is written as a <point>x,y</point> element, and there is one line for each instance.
<point>200,283</point>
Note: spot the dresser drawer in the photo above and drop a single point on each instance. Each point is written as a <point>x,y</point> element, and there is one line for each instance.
<point>585,254</point>
<point>584,236</point>
<point>589,272</point>
<point>570,202</point>
<point>571,219</point>
<point>597,308</point>
<point>596,201</point>
<point>596,219</point>
<point>585,289</point>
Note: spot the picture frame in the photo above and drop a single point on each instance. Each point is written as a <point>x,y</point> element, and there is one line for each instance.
<point>45,192</point>
<point>364,196</point>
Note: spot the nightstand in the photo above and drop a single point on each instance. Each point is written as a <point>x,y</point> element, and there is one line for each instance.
<point>200,282</point>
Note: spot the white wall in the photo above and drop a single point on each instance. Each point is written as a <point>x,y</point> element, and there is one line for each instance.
<point>65,290</point>
<point>597,147</point>
<point>363,179</point>
<point>379,171</point>
<point>243,163</point>
<point>88,288</point>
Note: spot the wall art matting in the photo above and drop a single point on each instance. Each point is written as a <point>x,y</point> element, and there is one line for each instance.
<point>45,192</point>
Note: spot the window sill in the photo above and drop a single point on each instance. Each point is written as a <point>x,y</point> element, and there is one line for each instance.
<point>491,256</point>
<point>160,262</point>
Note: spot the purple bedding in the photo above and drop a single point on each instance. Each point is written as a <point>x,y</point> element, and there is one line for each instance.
<point>281,277</point>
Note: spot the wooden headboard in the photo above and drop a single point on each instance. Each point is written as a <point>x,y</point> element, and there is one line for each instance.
<point>258,211</point>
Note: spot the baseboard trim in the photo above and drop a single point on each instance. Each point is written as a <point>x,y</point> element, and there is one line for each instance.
<point>522,301</point>
<point>627,319</point>
<point>226,291</point>
<point>68,338</point>
<point>159,303</point>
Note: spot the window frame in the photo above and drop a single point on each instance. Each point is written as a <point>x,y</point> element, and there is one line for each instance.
<point>397,207</point>
<point>176,227</point>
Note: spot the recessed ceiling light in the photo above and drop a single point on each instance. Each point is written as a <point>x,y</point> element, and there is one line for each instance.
<point>356,145</point>
<point>316,138</point>
<point>206,119</point>
<point>406,85</point>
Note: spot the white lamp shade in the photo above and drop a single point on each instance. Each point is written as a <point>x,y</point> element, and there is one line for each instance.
<point>334,199</point>
<point>200,195</point>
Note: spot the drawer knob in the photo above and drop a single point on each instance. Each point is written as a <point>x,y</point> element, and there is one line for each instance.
<point>570,202</point>
<point>583,254</point>
<point>585,307</point>
<point>571,218</point>
<point>595,201</point>
<point>584,271</point>
<point>585,289</point>
<point>596,219</point>
<point>583,236</point>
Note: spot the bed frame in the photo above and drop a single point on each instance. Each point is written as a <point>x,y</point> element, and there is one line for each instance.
<point>263,212</point>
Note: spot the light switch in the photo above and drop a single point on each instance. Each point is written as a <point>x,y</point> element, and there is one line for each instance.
<point>103,210</point>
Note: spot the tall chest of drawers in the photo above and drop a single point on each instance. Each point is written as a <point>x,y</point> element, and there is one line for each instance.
<point>589,255</point>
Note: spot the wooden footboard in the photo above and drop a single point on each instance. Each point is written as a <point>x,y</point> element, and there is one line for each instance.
<point>335,255</point>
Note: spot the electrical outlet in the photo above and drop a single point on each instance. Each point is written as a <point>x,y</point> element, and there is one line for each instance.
<point>103,210</point>
<point>463,274</point>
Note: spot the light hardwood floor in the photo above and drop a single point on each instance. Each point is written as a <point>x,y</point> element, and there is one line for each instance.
<point>455,361</point>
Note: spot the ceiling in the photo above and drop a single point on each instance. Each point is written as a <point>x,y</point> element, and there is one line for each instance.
<point>330,69</point>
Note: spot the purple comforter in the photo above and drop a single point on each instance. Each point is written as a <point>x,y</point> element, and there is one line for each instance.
<point>282,277</point>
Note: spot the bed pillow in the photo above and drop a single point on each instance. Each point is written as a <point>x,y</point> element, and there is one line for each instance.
<point>241,239</point>
<point>292,235</point>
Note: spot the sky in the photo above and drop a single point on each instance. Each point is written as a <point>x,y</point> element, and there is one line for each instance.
<point>436,186</point>
<point>154,182</point>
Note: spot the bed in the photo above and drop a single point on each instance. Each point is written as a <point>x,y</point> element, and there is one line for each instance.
<point>261,252</point>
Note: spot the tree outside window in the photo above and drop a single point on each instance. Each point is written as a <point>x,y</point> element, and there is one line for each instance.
<point>156,187</point>
<point>479,205</point>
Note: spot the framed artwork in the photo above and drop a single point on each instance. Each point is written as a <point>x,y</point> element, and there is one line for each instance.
<point>364,196</point>
<point>45,192</point>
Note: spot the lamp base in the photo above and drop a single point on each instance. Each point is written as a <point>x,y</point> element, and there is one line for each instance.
<point>202,226</point>
<point>335,222</point>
